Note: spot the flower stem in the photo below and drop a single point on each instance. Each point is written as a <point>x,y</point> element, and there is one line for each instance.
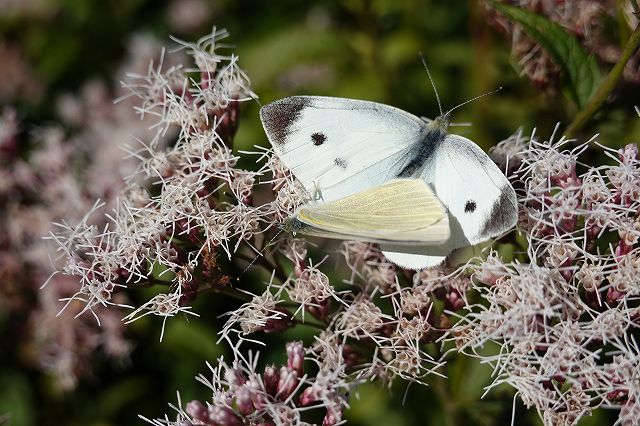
<point>230,292</point>
<point>266,264</point>
<point>606,86</point>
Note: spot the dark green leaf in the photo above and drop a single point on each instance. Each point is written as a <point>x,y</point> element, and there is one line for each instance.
<point>582,75</point>
<point>192,338</point>
<point>16,400</point>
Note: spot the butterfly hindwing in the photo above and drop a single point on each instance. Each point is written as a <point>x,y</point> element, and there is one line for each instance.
<point>341,146</point>
<point>402,211</point>
<point>480,200</point>
<point>474,190</point>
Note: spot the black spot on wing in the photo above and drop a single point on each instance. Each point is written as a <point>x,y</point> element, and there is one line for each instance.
<point>503,214</point>
<point>341,162</point>
<point>470,207</point>
<point>318,138</point>
<point>278,116</point>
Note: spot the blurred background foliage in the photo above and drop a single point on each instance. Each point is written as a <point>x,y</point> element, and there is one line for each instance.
<point>365,49</point>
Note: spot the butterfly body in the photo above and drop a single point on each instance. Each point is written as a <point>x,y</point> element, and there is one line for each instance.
<point>342,147</point>
<point>422,150</point>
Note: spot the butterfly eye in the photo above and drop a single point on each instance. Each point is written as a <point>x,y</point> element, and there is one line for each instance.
<point>318,138</point>
<point>470,207</point>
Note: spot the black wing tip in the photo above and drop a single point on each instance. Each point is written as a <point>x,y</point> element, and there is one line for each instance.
<point>503,215</point>
<point>278,116</point>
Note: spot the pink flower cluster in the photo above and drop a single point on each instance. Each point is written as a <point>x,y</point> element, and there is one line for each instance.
<point>562,313</point>
<point>277,396</point>
<point>565,315</point>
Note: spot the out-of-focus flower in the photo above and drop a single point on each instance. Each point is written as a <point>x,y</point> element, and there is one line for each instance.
<point>17,77</point>
<point>14,9</point>
<point>585,19</point>
<point>186,16</point>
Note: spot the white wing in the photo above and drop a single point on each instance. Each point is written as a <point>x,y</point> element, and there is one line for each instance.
<point>341,146</point>
<point>481,202</point>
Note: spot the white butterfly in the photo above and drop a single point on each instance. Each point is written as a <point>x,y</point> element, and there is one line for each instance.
<point>338,147</point>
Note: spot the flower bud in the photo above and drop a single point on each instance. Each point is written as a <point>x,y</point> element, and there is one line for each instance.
<point>295,357</point>
<point>453,300</point>
<point>223,416</point>
<point>197,410</point>
<point>271,379</point>
<point>287,383</point>
<point>244,401</point>
<point>331,418</point>
<point>281,323</point>
<point>235,377</point>
<point>308,397</point>
<point>614,296</point>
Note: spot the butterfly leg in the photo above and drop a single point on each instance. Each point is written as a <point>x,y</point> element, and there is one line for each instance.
<point>317,192</point>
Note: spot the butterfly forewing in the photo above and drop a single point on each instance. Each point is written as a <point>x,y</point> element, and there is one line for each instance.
<point>341,146</point>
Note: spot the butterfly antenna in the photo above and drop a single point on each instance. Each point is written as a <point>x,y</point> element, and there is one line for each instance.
<point>260,253</point>
<point>426,68</point>
<point>473,99</point>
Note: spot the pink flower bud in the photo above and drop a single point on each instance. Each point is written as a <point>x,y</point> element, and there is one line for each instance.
<point>628,154</point>
<point>622,249</point>
<point>271,379</point>
<point>308,397</point>
<point>197,410</point>
<point>616,395</point>
<point>259,397</point>
<point>223,416</point>
<point>453,300</point>
<point>244,401</point>
<point>331,418</point>
<point>488,276</point>
<point>287,383</point>
<point>614,296</point>
<point>295,357</point>
<point>281,323</point>
<point>235,377</point>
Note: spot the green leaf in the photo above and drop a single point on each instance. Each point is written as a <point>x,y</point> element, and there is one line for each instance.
<point>17,406</point>
<point>581,71</point>
<point>193,338</point>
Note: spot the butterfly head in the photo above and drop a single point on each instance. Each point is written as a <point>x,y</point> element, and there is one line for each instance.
<point>442,122</point>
